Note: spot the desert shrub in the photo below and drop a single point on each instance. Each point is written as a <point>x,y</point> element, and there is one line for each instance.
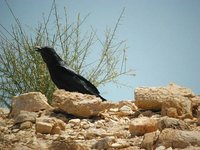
<point>23,70</point>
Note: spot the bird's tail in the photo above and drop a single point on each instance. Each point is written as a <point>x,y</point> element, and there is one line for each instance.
<point>103,99</point>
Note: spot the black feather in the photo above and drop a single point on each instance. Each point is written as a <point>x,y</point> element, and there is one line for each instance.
<point>63,76</point>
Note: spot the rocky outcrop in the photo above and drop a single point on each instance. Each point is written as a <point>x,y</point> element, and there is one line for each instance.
<point>153,97</point>
<point>172,100</point>
<point>168,118</point>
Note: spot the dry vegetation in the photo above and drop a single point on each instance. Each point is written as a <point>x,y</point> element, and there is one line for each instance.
<point>22,70</point>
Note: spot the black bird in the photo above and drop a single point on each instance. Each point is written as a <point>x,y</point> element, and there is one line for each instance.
<point>64,77</point>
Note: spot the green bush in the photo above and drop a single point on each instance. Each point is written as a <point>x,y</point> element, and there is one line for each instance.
<point>23,70</point>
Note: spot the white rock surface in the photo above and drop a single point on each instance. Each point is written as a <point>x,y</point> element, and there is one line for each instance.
<point>153,97</point>
<point>142,125</point>
<point>78,104</point>
<point>33,102</point>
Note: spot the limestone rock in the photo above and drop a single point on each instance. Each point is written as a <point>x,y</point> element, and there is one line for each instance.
<point>167,122</point>
<point>111,142</point>
<point>120,144</point>
<point>120,126</point>
<point>149,140</point>
<point>125,111</point>
<point>104,143</point>
<point>46,125</point>
<point>129,103</point>
<point>195,104</point>
<point>177,107</point>
<point>32,102</point>
<point>25,116</point>
<point>140,126</point>
<point>152,98</point>
<point>74,122</point>
<point>178,90</point>
<point>78,104</point>
<point>161,147</point>
<point>178,138</point>
<point>86,124</point>
<point>92,133</point>
<point>99,123</point>
<point>26,125</point>
<point>198,115</point>
<point>62,143</point>
<point>43,127</point>
<point>147,113</point>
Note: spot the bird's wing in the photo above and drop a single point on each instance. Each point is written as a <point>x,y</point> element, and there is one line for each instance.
<point>80,79</point>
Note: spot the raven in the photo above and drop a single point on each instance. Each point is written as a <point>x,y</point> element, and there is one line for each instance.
<point>63,76</point>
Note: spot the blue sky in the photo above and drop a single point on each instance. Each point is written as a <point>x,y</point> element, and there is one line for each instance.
<point>163,37</point>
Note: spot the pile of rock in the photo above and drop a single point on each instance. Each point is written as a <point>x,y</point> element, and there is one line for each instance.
<point>159,118</point>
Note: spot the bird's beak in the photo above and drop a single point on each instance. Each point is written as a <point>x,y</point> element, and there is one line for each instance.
<point>37,48</point>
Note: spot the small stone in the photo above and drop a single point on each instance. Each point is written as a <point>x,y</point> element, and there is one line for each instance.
<point>26,125</point>
<point>140,126</point>
<point>59,123</point>
<point>47,125</point>
<point>81,137</point>
<point>160,148</point>
<point>85,124</point>
<point>128,103</point>
<point>93,133</point>
<point>43,127</point>
<point>75,122</point>
<point>15,130</point>
<point>147,113</point>
<point>63,143</point>
<point>113,109</point>
<point>99,123</point>
<point>102,144</point>
<point>149,140</point>
<point>56,130</point>
<point>120,143</point>
<point>125,111</point>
